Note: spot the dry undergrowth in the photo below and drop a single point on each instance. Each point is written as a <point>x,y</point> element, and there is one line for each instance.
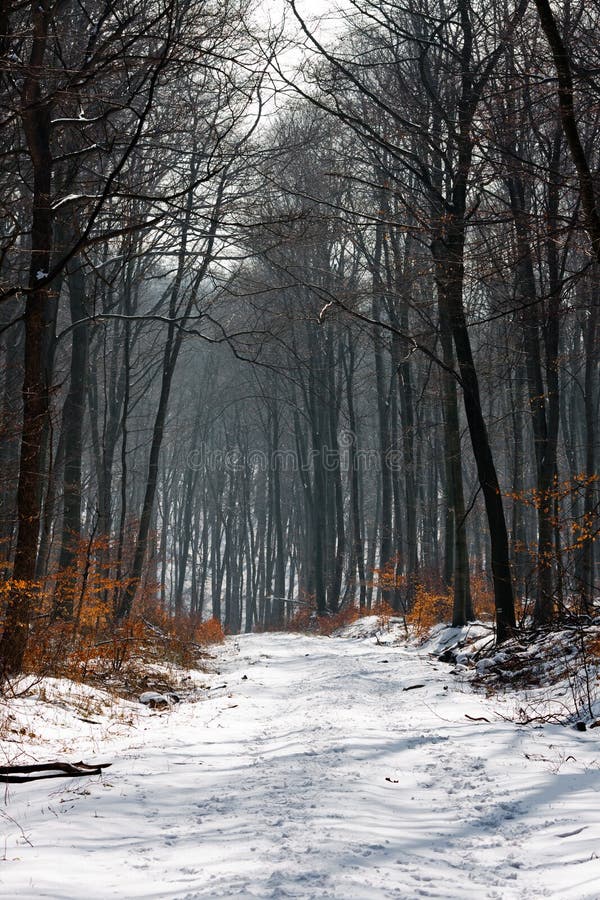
<point>553,673</point>
<point>90,675</point>
<point>422,607</point>
<point>147,651</point>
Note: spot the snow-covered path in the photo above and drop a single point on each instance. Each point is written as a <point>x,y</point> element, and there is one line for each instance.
<point>315,774</point>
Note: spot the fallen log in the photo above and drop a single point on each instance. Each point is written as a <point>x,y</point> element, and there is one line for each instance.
<point>38,771</point>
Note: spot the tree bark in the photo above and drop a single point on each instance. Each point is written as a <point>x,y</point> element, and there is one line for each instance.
<point>35,113</point>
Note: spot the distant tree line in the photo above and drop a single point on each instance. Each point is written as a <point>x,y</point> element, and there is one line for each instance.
<point>325,357</point>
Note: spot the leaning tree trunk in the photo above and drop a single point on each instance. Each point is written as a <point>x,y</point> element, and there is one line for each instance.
<point>449,252</point>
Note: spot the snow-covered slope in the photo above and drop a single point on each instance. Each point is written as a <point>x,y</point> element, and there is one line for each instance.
<point>318,768</point>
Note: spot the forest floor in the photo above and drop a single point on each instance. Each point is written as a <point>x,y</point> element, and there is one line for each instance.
<point>312,767</point>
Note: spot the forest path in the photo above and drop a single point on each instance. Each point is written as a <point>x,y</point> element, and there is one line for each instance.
<point>314,773</point>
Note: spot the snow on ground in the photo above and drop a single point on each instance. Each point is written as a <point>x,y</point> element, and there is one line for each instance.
<point>317,768</point>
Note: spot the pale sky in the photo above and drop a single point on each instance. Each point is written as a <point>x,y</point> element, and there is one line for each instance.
<point>308,9</point>
<point>322,16</point>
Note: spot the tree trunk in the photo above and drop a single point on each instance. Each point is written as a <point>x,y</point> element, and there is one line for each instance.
<point>73,415</point>
<point>36,123</point>
<point>449,254</point>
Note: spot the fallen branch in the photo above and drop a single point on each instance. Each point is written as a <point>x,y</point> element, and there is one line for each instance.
<point>22,774</point>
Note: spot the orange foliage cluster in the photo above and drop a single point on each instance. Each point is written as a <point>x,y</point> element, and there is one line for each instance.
<point>575,531</point>
<point>149,634</point>
<point>326,625</point>
<point>389,580</point>
<point>433,605</point>
<point>592,647</point>
<point>304,617</point>
<point>482,595</point>
<point>209,632</point>
<point>560,490</point>
<point>429,608</point>
<point>90,640</point>
<point>307,620</point>
<point>583,530</point>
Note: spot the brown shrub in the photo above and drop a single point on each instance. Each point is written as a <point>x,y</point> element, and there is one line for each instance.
<point>429,609</point>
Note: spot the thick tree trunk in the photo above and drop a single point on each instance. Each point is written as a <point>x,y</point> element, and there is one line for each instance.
<point>450,253</point>
<point>462,610</point>
<point>544,438</point>
<point>35,392</point>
